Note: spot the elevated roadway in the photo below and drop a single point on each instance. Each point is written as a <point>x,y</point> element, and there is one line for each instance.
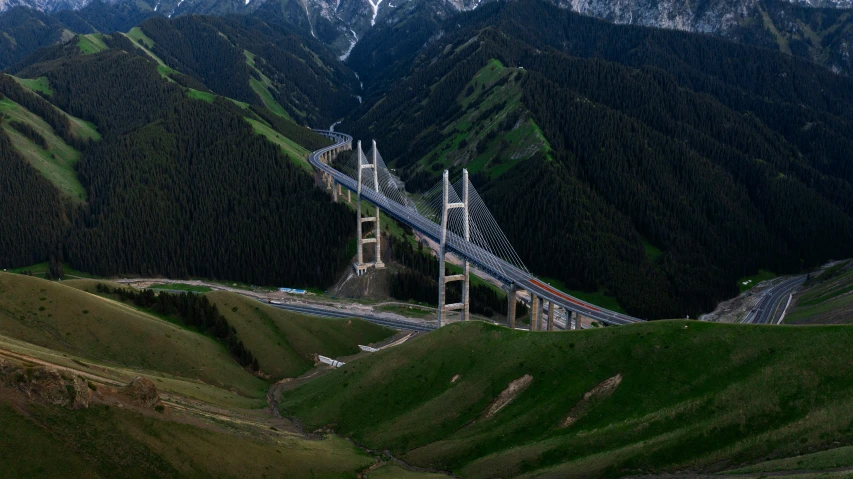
<point>477,256</point>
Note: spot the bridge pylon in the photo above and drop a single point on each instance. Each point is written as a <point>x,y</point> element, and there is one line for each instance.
<point>465,277</point>
<point>360,266</point>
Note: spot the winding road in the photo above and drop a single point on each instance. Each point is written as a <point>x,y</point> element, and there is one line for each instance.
<point>765,312</point>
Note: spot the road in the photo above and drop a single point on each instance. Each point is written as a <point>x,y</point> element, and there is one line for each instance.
<point>477,256</point>
<point>327,313</point>
<point>772,300</point>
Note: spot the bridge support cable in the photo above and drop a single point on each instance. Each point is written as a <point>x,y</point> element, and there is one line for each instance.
<point>469,232</point>
<point>446,208</point>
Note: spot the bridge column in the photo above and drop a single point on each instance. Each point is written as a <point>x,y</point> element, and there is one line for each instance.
<point>443,308</point>
<point>511,298</point>
<point>378,264</point>
<point>336,189</point>
<point>359,265</point>
<point>534,312</point>
<point>551,308</point>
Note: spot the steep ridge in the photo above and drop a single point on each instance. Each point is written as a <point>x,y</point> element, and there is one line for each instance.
<point>146,115</point>
<point>663,155</point>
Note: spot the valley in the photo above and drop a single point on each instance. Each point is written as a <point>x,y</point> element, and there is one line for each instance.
<point>474,272</point>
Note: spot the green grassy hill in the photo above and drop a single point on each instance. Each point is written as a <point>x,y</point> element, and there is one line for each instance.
<point>67,320</point>
<point>650,398</point>
<point>826,298</point>
<point>284,342</point>
<point>42,441</point>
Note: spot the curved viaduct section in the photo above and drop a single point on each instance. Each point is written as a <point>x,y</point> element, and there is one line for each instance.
<point>496,267</point>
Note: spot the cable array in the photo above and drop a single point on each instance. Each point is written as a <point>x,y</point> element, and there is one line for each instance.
<point>484,230</point>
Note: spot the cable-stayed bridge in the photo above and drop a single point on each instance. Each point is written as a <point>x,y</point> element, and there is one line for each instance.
<point>454,217</point>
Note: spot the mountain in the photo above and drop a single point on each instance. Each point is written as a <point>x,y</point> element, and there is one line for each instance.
<point>620,159</point>
<point>168,8</point>
<point>25,30</point>
<point>124,190</point>
<point>820,31</point>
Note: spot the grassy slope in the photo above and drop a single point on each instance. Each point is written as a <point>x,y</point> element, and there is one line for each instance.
<point>56,163</point>
<point>40,84</point>
<point>694,396</point>
<point>68,320</point>
<point>508,147</point>
<point>110,443</point>
<point>81,128</point>
<point>91,43</point>
<point>262,88</point>
<point>294,151</point>
<point>285,342</point>
<point>827,298</point>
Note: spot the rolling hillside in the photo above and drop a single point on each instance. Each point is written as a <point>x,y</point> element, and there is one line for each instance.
<point>484,401</point>
<point>90,327</point>
<point>286,343</point>
<point>67,354</point>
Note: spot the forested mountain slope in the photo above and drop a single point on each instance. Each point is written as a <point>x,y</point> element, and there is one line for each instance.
<point>183,182</point>
<point>245,59</point>
<point>665,170</point>
<point>24,30</point>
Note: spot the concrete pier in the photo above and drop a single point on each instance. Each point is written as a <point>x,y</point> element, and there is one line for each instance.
<point>511,298</point>
<point>551,308</point>
<point>534,312</point>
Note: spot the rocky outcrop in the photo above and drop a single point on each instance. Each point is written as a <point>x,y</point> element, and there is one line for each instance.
<point>143,392</point>
<point>509,394</point>
<point>42,384</point>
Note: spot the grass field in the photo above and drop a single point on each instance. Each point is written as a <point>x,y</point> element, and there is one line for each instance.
<point>297,154</point>
<point>71,321</point>
<point>285,342</point>
<point>693,397</point>
<point>91,43</point>
<point>748,282</point>
<point>831,459</point>
<point>182,287</point>
<point>393,471</point>
<point>40,269</point>
<point>56,162</point>
<point>262,88</point>
<point>40,84</point>
<point>827,297</point>
<point>108,442</point>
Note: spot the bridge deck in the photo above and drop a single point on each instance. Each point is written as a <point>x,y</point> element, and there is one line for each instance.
<point>477,256</point>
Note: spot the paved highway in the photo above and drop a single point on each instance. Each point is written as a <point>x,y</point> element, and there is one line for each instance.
<point>771,299</point>
<point>405,325</point>
<point>476,255</point>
